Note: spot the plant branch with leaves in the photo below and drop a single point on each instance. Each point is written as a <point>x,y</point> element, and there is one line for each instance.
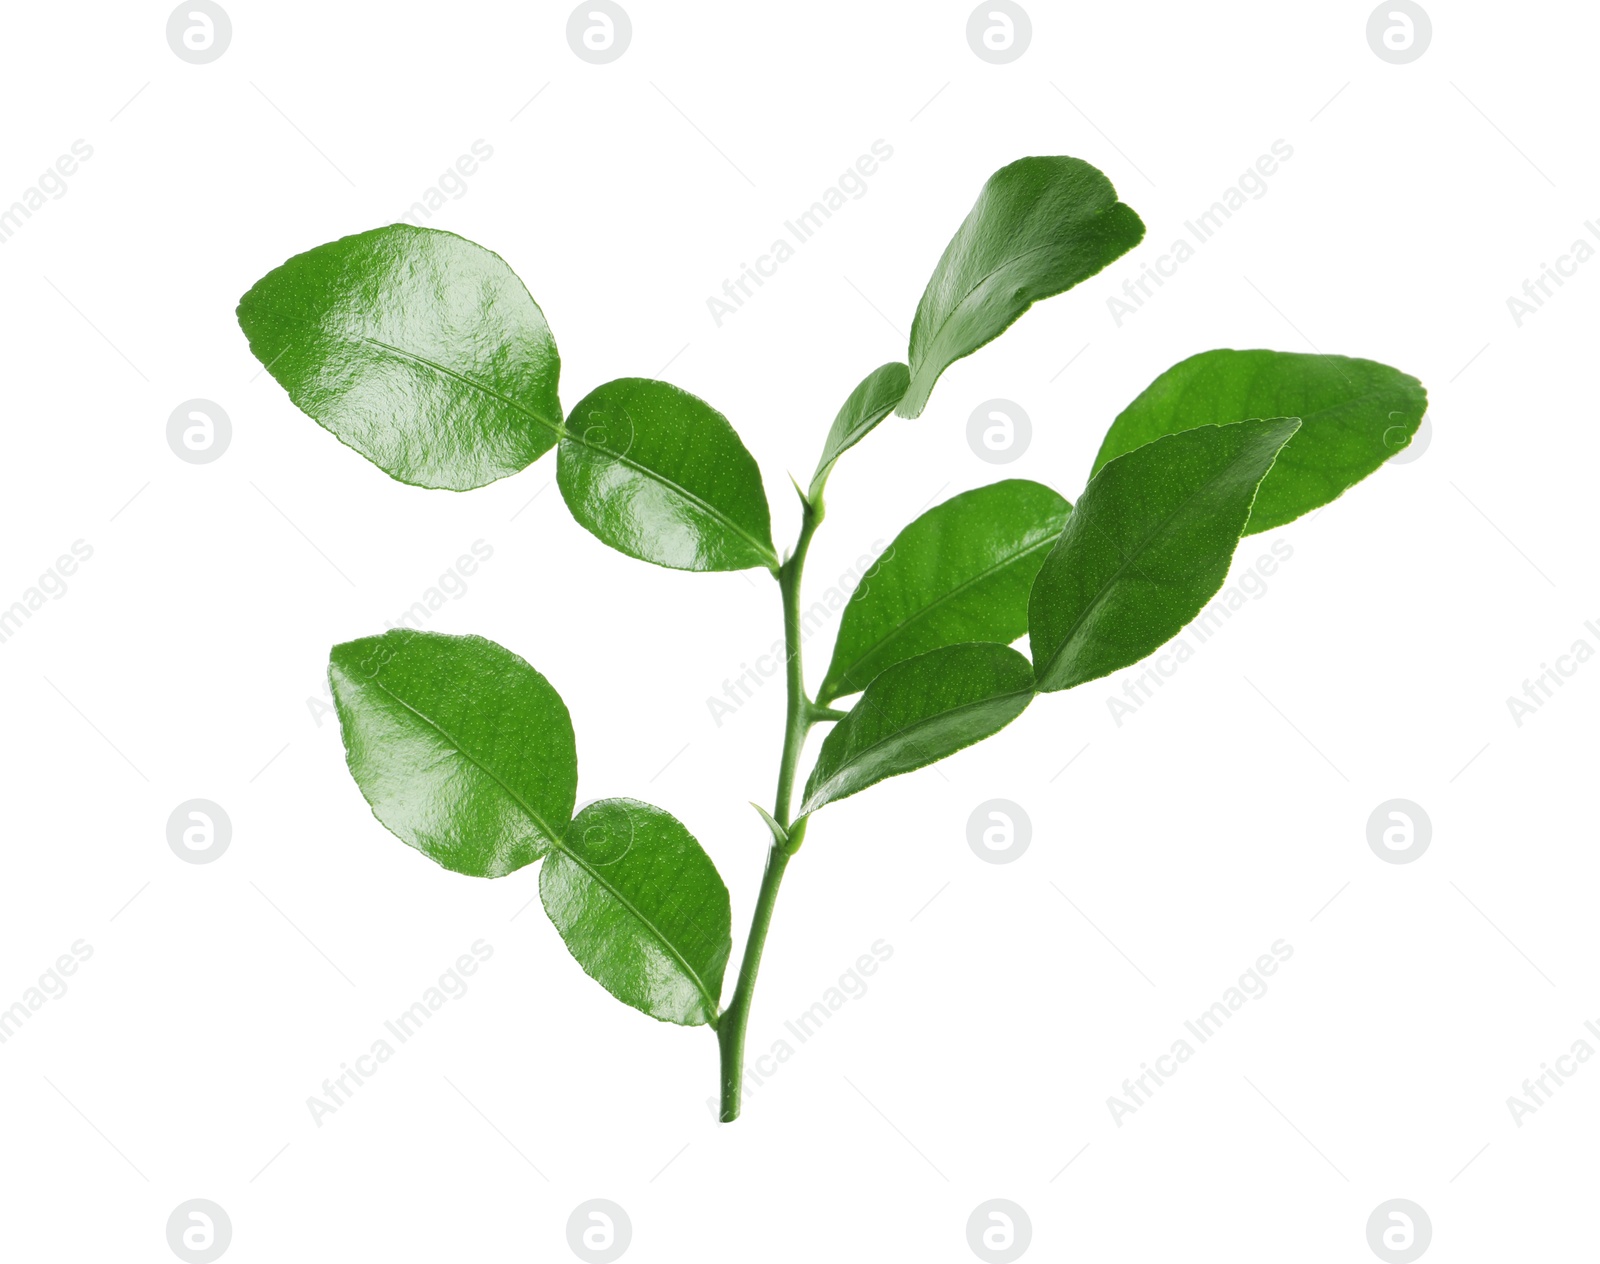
<point>427,355</point>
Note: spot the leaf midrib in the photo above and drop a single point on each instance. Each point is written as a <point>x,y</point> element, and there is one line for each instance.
<point>912,728</point>
<point>694,975</point>
<point>765,552</point>
<point>961,303</point>
<point>559,429</point>
<point>1370,395</point>
<point>555,427</point>
<point>558,843</point>
<point>477,763</point>
<point>1144,544</point>
<point>925,611</point>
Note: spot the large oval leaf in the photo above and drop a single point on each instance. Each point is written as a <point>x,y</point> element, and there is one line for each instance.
<point>1355,415</point>
<point>917,712</point>
<point>642,909</point>
<point>960,572</point>
<point>1039,227</point>
<point>660,475</point>
<point>419,349</point>
<point>461,748</point>
<point>1147,546</point>
<point>873,399</point>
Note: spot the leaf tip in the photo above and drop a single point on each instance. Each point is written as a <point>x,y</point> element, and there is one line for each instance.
<point>780,836</point>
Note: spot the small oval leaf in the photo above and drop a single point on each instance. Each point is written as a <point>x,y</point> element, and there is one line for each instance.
<point>642,909</point>
<point>1355,415</point>
<point>1039,227</point>
<point>417,348</point>
<point>873,399</point>
<point>917,712</point>
<point>460,747</point>
<point>960,572</point>
<point>660,475</point>
<point>1147,546</point>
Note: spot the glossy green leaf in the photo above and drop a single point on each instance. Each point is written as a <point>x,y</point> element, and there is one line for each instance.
<point>460,747</point>
<point>417,348</point>
<point>642,909</point>
<point>1147,546</point>
<point>917,712</point>
<point>1039,227</point>
<point>872,400</point>
<point>1356,414</point>
<point>660,475</point>
<point>960,572</point>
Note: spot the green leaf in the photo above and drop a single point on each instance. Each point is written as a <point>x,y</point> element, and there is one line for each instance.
<point>960,572</point>
<point>780,836</point>
<point>1039,227</point>
<point>642,909</point>
<point>871,401</point>
<point>417,348</point>
<point>917,712</point>
<point>1356,414</point>
<point>460,747</point>
<point>660,475</point>
<point>1147,546</point>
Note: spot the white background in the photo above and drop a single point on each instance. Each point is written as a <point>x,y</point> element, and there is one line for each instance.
<point>1172,852</point>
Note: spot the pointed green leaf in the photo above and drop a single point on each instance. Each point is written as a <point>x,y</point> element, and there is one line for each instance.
<point>417,348</point>
<point>660,475</point>
<point>1356,414</point>
<point>917,712</point>
<point>642,909</point>
<point>960,572</point>
<point>460,747</point>
<point>872,400</point>
<point>1147,546</point>
<point>780,836</point>
<point>1039,227</point>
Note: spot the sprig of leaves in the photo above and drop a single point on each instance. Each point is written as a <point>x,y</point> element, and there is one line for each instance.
<point>426,354</point>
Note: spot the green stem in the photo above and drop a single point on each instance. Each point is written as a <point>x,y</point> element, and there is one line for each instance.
<point>731,1027</point>
<point>801,715</point>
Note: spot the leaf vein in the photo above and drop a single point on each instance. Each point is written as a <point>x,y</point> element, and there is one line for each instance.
<point>470,758</point>
<point>1131,560</point>
<point>922,613</point>
<point>467,380</point>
